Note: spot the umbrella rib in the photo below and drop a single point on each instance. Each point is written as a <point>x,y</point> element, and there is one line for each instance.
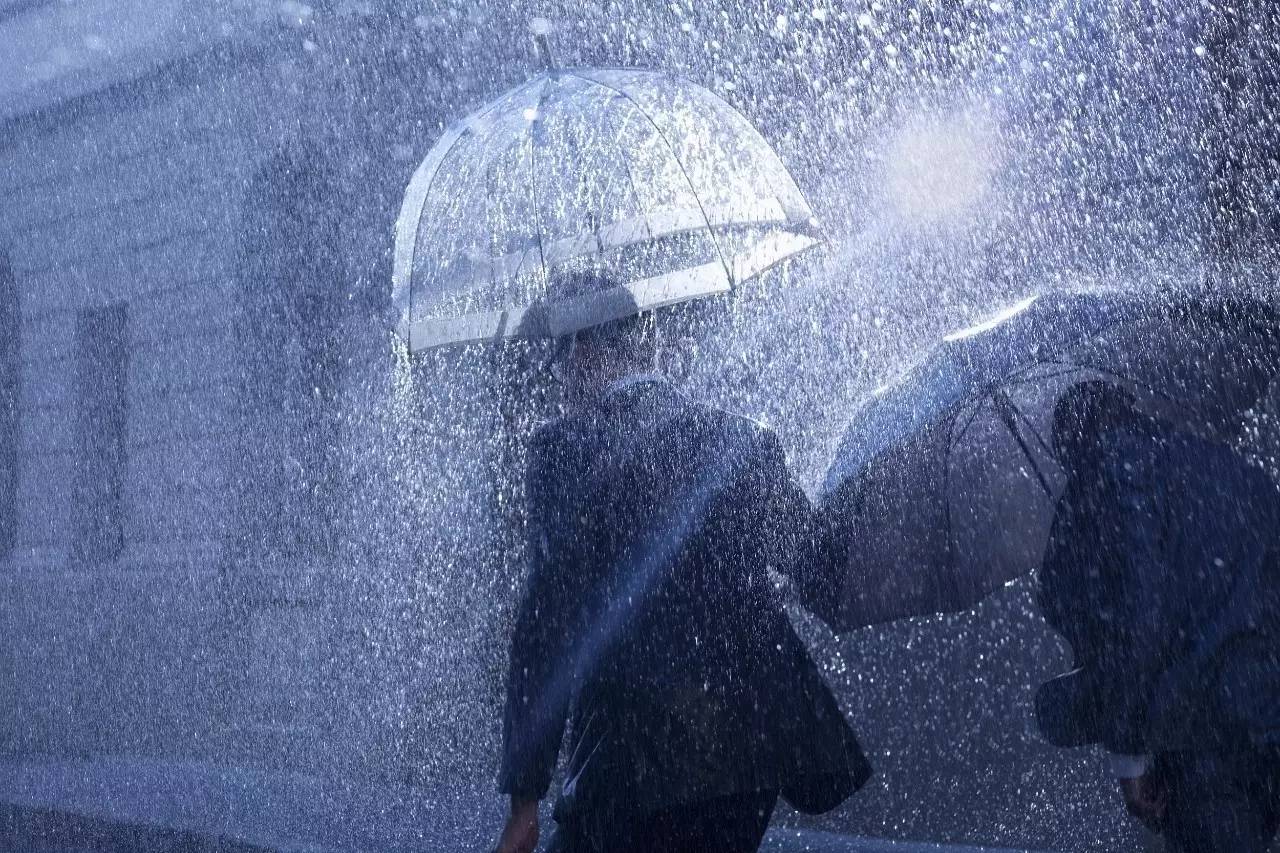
<point>1075,366</point>
<point>631,178</point>
<point>635,193</point>
<point>608,185</point>
<point>1020,415</point>
<point>973,416</point>
<point>488,217</point>
<point>537,209</point>
<point>1021,374</point>
<point>766,174</point>
<point>1003,406</point>
<point>952,440</point>
<point>430,181</point>
<point>533,183</point>
<point>674,156</point>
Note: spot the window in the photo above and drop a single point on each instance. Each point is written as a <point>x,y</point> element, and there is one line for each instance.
<point>101,384</point>
<point>10,382</point>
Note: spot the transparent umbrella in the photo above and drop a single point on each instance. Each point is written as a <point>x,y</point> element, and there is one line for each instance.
<point>640,174</point>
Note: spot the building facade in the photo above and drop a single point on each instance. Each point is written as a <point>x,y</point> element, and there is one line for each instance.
<point>170,302</point>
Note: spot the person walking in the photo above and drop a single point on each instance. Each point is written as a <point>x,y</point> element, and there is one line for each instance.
<point>651,626</point>
<point>1163,573</point>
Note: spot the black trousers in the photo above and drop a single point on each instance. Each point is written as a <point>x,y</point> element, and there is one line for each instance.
<point>733,824</point>
<point>1220,802</point>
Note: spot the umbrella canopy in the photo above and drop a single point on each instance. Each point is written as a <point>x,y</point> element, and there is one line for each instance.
<point>639,174</point>
<point>945,484</point>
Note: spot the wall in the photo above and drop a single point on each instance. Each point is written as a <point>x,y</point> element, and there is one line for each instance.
<point>130,196</point>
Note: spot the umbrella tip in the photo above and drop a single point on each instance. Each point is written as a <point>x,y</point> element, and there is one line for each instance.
<point>542,29</point>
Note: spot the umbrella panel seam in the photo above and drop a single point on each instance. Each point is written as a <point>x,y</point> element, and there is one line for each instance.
<point>415,210</point>
<point>693,190</point>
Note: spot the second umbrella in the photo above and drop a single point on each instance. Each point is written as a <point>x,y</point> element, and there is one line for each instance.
<point>946,482</point>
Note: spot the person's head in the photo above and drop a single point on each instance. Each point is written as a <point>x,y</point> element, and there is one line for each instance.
<point>1085,413</point>
<point>592,357</point>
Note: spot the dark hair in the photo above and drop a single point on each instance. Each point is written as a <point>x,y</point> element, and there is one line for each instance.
<point>634,335</point>
<point>1085,412</point>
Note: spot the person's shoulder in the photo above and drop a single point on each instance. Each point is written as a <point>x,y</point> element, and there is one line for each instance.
<point>1226,468</point>
<point>737,430</point>
<point>551,437</point>
<point>1201,468</point>
<point>1196,457</point>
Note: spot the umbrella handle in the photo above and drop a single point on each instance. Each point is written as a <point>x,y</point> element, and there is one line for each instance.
<point>541,29</point>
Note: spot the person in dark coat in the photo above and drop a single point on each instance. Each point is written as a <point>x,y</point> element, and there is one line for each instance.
<point>651,624</point>
<point>1163,574</point>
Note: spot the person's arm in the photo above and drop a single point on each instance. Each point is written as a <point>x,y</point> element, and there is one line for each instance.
<point>1143,614</point>
<point>1103,586</point>
<point>791,533</point>
<point>539,683</point>
<point>539,679</point>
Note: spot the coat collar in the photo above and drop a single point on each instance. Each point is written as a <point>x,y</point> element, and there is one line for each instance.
<point>619,387</point>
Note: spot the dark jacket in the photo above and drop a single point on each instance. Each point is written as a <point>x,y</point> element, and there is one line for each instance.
<point>1162,573</point>
<point>650,618</point>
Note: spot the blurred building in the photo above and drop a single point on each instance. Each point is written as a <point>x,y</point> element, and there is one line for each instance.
<point>174,277</point>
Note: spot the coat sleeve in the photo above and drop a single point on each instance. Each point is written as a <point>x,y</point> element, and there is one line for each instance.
<point>789,533</point>
<point>1149,611</point>
<point>1108,592</point>
<point>539,682</point>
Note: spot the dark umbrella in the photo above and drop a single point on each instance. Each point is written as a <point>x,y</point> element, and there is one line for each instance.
<point>945,484</point>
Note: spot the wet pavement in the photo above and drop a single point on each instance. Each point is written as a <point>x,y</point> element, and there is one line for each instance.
<point>152,806</point>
